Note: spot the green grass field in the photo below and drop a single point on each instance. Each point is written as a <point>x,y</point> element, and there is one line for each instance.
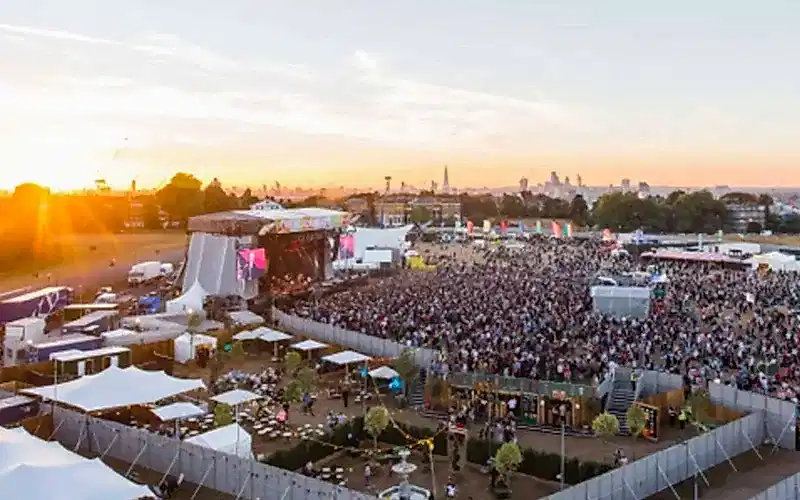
<point>86,253</point>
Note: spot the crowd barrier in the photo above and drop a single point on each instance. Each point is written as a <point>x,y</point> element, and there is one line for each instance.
<point>240,477</point>
<point>663,470</point>
<point>781,416</point>
<point>517,384</point>
<point>788,489</point>
<point>365,344</point>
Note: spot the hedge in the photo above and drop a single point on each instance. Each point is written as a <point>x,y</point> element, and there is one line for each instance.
<point>535,463</point>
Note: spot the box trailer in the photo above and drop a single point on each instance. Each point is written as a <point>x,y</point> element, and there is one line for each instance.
<point>77,342</point>
<point>103,320</point>
<point>43,302</point>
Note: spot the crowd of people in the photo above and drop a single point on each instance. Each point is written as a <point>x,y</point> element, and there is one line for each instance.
<point>527,312</point>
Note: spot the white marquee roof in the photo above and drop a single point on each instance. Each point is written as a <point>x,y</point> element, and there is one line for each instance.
<point>308,345</point>
<point>233,439</point>
<point>235,397</point>
<point>34,469</point>
<point>262,333</point>
<point>346,358</point>
<point>386,372</point>
<point>246,318</point>
<point>176,411</point>
<point>116,387</point>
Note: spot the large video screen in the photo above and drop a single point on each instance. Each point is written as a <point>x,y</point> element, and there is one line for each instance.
<point>251,263</point>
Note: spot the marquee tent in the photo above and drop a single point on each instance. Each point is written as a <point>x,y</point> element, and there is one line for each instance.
<point>191,300</point>
<point>776,261</point>
<point>384,372</point>
<point>115,388</point>
<point>177,411</point>
<point>346,358</point>
<point>308,345</point>
<point>232,439</point>
<point>186,346</point>
<point>262,333</point>
<point>34,469</point>
<point>235,397</point>
<point>246,318</point>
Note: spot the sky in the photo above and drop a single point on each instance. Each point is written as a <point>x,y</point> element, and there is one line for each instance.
<point>345,92</point>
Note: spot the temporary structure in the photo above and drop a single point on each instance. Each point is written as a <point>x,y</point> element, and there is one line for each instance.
<point>115,388</point>
<point>776,261</point>
<point>232,439</point>
<point>384,372</point>
<point>40,470</point>
<point>187,344</point>
<point>308,345</point>
<point>177,411</point>
<point>346,358</point>
<point>235,397</point>
<point>246,318</point>
<point>262,333</point>
<point>191,300</point>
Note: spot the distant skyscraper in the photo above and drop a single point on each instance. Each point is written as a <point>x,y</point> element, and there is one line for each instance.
<point>579,179</point>
<point>523,184</point>
<point>446,181</point>
<point>554,180</point>
<point>625,184</point>
<point>388,180</point>
<point>566,181</point>
<point>402,186</point>
<point>133,187</point>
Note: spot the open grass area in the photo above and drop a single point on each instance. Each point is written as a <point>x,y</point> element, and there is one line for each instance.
<point>777,239</point>
<point>86,258</point>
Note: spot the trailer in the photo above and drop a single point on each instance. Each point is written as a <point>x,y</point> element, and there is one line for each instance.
<point>103,320</point>
<point>144,272</point>
<point>75,311</point>
<point>43,302</point>
<point>43,351</point>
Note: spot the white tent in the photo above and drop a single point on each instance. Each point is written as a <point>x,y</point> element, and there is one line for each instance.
<point>366,237</point>
<point>262,333</point>
<point>235,397</point>
<point>384,372</point>
<point>192,300</point>
<point>116,387</point>
<point>346,358</point>
<point>177,411</point>
<point>776,261</point>
<point>186,346</point>
<point>232,439</point>
<point>308,345</point>
<point>246,318</point>
<point>34,469</point>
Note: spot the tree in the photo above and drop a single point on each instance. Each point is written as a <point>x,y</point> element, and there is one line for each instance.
<point>193,322</point>
<point>237,350</point>
<point>753,227</point>
<point>512,205</point>
<point>247,199</point>
<point>215,199</point>
<point>636,419</point>
<point>605,425</point>
<point>182,197</point>
<point>376,421</point>
<point>151,216</point>
<point>406,368</point>
<point>579,210</point>
<point>790,224</point>
<point>222,415</point>
<point>507,459</point>
<point>699,409</point>
<point>292,362</point>
<point>307,379</point>
<point>419,215</point>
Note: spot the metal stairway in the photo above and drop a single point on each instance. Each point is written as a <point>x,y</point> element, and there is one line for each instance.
<point>620,398</point>
<point>416,394</point>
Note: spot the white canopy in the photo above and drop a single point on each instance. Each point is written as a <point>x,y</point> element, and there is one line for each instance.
<point>235,397</point>
<point>386,372</point>
<point>176,411</point>
<point>231,439</point>
<point>262,333</point>
<point>246,318</point>
<point>192,300</point>
<point>116,387</point>
<point>776,261</point>
<point>308,345</point>
<point>34,469</point>
<point>186,345</point>
<point>346,358</point>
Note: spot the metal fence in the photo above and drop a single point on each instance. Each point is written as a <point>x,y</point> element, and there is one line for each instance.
<point>669,467</point>
<point>652,382</point>
<point>621,301</point>
<point>781,416</point>
<point>243,478</point>
<point>360,342</point>
<point>788,489</point>
<point>516,384</point>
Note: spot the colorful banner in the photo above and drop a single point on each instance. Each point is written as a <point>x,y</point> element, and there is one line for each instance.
<point>607,237</point>
<point>568,230</point>
<point>487,225</point>
<point>538,227</point>
<point>555,228</point>
<point>470,227</point>
<point>503,226</point>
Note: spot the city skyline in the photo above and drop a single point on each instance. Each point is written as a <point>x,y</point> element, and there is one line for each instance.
<point>315,94</point>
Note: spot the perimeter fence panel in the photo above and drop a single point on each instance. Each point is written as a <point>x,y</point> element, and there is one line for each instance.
<point>781,416</point>
<point>788,489</point>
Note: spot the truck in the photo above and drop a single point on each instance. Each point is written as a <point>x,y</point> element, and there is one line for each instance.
<point>20,334</point>
<point>39,303</point>
<point>144,272</point>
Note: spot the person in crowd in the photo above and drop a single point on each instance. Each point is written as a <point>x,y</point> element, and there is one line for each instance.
<point>530,314</point>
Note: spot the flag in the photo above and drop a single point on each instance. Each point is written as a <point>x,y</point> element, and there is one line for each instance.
<point>555,228</point>
<point>538,227</point>
<point>458,224</point>
<point>503,226</point>
<point>607,235</point>
<point>470,227</point>
<point>568,230</point>
<point>521,227</point>
<point>719,236</point>
<point>487,225</point>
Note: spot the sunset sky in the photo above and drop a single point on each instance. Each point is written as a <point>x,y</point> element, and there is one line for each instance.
<point>344,92</point>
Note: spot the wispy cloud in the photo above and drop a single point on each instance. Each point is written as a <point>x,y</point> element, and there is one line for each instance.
<point>370,102</point>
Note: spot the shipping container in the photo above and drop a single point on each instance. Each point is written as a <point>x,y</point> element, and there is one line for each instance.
<point>104,320</point>
<point>42,302</point>
<point>78,342</point>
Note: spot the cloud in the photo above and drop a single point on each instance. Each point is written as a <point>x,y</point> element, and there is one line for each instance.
<point>120,83</point>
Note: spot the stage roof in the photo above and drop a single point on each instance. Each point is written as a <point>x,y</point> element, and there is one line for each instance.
<point>252,222</point>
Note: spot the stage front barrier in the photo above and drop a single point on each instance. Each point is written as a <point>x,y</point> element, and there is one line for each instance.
<point>236,476</point>
<point>665,469</point>
<point>781,416</point>
<point>517,384</point>
<point>788,489</point>
<point>652,382</point>
<point>365,344</point>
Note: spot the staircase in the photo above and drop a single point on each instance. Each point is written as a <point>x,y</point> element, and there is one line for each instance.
<point>416,393</point>
<point>620,398</point>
